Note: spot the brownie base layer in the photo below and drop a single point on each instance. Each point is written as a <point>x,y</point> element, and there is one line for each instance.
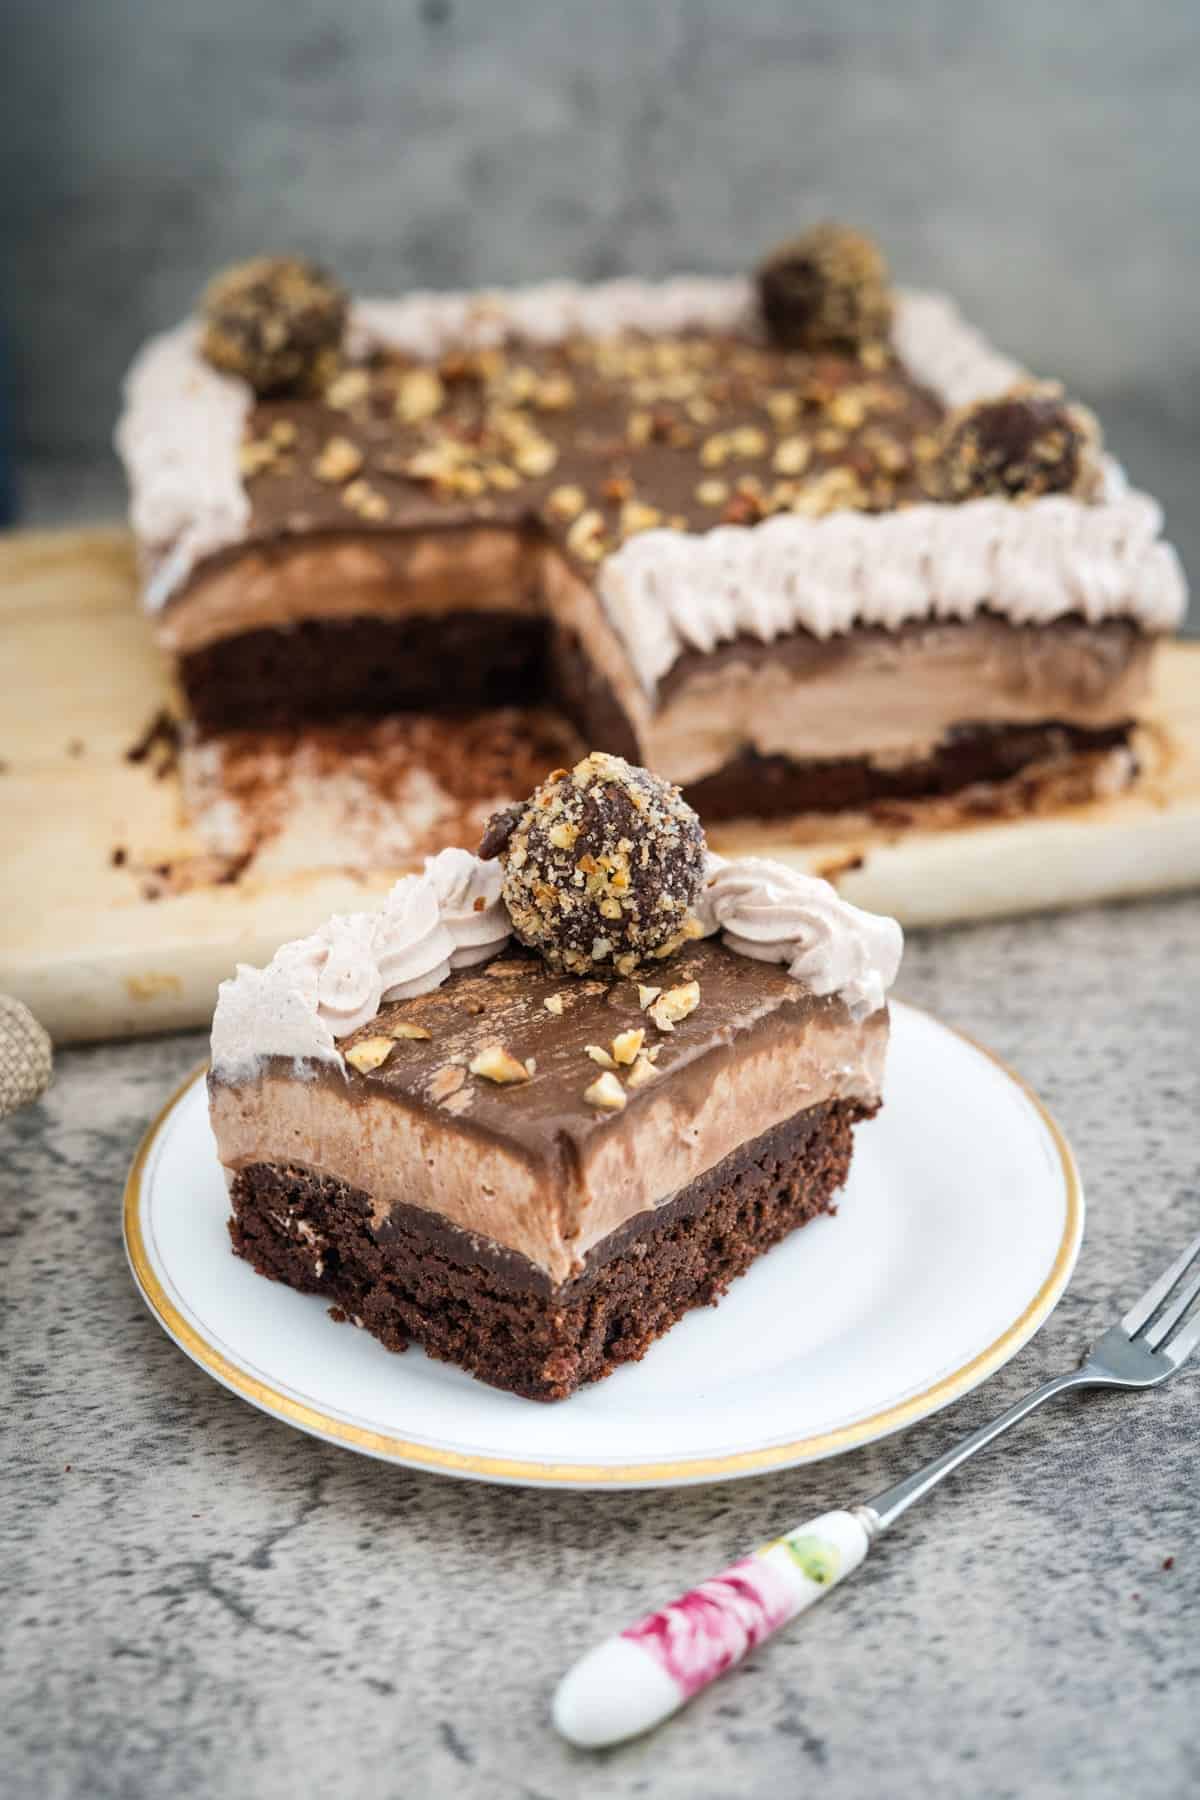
<point>322,669</point>
<point>763,787</point>
<point>493,1313</point>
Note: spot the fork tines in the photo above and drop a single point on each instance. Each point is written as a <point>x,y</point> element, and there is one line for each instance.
<point>1162,1329</point>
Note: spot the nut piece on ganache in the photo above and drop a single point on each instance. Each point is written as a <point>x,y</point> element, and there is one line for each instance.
<point>826,290</point>
<point>602,866</point>
<point>275,321</point>
<point>1021,444</point>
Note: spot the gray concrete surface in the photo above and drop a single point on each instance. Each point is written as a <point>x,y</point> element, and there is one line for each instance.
<point>200,1602</point>
<point>1039,161</point>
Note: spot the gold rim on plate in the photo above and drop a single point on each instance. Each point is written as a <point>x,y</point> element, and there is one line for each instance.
<point>652,1474</point>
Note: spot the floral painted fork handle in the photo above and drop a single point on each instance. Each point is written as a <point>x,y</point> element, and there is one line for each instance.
<point>636,1680</point>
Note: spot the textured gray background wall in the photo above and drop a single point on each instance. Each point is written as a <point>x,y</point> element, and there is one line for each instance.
<point>1040,160</point>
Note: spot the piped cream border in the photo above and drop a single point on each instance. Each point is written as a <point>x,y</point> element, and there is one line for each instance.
<point>626,1475</point>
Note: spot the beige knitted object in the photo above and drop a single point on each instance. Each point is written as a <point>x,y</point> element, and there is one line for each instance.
<point>25,1056</point>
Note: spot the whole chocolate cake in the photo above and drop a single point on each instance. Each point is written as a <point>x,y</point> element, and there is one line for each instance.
<point>534,1161</point>
<point>802,542</point>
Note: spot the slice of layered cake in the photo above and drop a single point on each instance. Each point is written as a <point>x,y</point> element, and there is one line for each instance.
<point>798,543</point>
<point>548,1099</point>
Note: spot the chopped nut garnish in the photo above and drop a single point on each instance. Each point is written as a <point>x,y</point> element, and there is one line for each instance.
<point>675,1005</point>
<point>748,440</point>
<point>567,502</point>
<point>782,406</point>
<point>438,463</point>
<point>405,1030</point>
<point>715,450</point>
<point>791,456</point>
<point>495,1063</point>
<point>605,1092</point>
<point>283,433</point>
<point>836,488</point>
<point>518,384</point>
<point>554,393</point>
<point>347,389</point>
<point>338,461</point>
<point>599,1055</point>
<point>646,995</point>
<point>637,517</point>
<point>712,492</point>
<point>419,395</point>
<point>639,428</point>
<point>255,455</point>
<point>365,500</point>
<point>627,1044</point>
<point>447,1081</point>
<point>369,1054</point>
<point>499,475</point>
<point>847,411</point>
<point>586,536</point>
<point>537,457</point>
<point>743,509</point>
<point>891,455</point>
<point>553,1003</point>
<point>642,1071</point>
<point>467,481</point>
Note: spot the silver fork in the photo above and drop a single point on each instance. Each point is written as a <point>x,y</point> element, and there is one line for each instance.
<point>636,1680</point>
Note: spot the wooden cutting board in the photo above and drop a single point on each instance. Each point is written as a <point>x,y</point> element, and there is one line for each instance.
<point>122,904</point>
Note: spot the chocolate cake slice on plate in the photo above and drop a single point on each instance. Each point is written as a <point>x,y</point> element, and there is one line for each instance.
<point>549,1098</point>
<point>801,543</point>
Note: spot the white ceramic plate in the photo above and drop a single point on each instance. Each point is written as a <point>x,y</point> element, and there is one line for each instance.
<point>954,1239</point>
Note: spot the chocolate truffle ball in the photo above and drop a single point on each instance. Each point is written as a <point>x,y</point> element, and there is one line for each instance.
<point>1027,442</point>
<point>275,321</point>
<point>602,866</point>
<point>826,290</point>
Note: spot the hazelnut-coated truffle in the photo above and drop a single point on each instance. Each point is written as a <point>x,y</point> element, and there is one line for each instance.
<point>1027,442</point>
<point>603,866</point>
<point>826,290</point>
<point>275,321</point>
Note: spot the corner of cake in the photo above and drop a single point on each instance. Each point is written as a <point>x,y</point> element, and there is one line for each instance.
<point>549,1098</point>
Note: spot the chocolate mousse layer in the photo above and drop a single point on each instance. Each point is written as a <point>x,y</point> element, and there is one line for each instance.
<point>804,724</point>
